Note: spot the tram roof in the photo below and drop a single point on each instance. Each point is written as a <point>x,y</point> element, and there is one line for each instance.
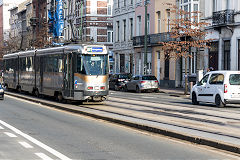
<point>52,50</point>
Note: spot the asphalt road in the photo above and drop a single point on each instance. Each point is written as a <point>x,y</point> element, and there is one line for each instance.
<point>78,137</point>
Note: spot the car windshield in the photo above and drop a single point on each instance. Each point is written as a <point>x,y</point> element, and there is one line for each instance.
<point>149,78</point>
<point>234,79</point>
<point>124,76</point>
<point>92,64</point>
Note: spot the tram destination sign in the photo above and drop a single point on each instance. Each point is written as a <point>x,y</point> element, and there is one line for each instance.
<point>95,49</point>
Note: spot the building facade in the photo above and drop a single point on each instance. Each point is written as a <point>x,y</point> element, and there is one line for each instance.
<point>88,21</point>
<point>5,5</point>
<point>123,33</point>
<point>223,18</point>
<point>158,27</point>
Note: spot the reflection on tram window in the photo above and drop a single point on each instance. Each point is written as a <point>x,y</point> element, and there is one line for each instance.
<point>92,64</point>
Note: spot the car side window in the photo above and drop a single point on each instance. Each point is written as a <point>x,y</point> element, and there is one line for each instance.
<point>204,80</point>
<point>216,79</point>
<point>136,78</point>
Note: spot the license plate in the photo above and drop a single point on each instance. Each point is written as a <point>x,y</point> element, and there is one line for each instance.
<point>96,88</point>
<point>235,95</point>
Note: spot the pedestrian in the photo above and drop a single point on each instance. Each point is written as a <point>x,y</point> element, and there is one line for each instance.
<point>210,69</point>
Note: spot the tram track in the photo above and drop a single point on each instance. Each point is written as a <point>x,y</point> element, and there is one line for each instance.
<point>205,106</point>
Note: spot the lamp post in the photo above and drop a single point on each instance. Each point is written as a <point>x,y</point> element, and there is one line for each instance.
<point>145,38</point>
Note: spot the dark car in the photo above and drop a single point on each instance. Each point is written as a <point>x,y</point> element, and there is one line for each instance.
<point>117,81</point>
<point>1,92</point>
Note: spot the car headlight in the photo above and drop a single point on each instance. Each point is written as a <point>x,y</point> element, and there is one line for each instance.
<point>1,90</point>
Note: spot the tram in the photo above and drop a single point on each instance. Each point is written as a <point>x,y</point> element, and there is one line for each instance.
<point>72,72</point>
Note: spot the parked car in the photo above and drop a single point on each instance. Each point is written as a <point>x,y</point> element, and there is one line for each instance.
<point>118,81</point>
<point>141,83</point>
<point>1,92</point>
<point>218,87</point>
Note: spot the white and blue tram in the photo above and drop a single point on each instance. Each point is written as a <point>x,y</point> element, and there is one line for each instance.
<point>73,72</point>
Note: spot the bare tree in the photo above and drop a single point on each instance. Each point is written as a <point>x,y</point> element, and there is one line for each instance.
<point>188,33</point>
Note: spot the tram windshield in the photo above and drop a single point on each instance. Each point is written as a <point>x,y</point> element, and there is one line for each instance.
<point>92,64</point>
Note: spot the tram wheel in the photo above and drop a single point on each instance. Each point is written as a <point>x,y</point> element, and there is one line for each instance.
<point>36,93</point>
<point>59,97</point>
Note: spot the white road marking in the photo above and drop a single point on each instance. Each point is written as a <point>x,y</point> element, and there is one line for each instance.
<point>43,156</point>
<point>10,134</point>
<point>148,97</point>
<point>1,127</point>
<point>25,144</point>
<point>33,140</point>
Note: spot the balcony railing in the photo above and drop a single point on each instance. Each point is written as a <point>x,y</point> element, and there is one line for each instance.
<point>153,39</point>
<point>223,17</point>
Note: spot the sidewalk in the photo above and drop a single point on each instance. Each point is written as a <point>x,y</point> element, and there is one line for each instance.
<point>179,92</point>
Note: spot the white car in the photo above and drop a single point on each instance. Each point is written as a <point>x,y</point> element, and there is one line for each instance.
<point>219,87</point>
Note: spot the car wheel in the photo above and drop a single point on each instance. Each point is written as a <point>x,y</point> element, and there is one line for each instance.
<point>218,101</point>
<point>194,99</point>
<point>138,89</point>
<point>125,88</point>
<point>116,88</point>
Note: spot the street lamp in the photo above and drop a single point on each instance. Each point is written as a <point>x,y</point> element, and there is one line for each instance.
<point>145,37</point>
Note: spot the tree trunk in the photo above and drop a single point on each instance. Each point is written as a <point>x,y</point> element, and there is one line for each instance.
<point>186,78</point>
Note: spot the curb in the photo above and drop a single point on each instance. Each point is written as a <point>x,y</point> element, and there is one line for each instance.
<point>167,133</point>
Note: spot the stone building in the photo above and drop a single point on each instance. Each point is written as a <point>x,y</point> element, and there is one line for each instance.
<point>89,21</point>
<point>123,33</point>
<point>158,28</point>
<point>223,18</point>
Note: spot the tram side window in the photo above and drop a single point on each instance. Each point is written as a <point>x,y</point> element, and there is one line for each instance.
<point>23,64</point>
<point>53,64</point>
<point>80,66</point>
<point>9,65</point>
<point>29,64</point>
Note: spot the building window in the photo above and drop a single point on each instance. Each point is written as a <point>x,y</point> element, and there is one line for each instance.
<point>239,54</point>
<point>148,24</point>
<point>226,58</point>
<point>118,31</point>
<point>195,9</point>
<point>168,20</point>
<point>131,28</point>
<point>139,25</point>
<point>110,36</point>
<point>124,30</point>
<point>122,63</point>
<point>214,5</point>
<point>118,3</point>
<point>227,4</point>
<point>124,3</point>
<point>159,21</point>
<point>109,10</point>
<point>131,2</point>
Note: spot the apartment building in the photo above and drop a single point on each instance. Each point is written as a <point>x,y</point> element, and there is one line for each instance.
<point>223,18</point>
<point>89,20</point>
<point>19,22</point>
<point>158,28</point>
<point>123,32</point>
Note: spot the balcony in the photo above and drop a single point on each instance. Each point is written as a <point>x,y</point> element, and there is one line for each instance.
<point>223,18</point>
<point>152,39</point>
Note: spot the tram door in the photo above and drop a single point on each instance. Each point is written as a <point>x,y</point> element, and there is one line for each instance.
<point>68,75</point>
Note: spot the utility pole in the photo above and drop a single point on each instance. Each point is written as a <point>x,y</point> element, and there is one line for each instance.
<point>145,38</point>
<point>81,22</point>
